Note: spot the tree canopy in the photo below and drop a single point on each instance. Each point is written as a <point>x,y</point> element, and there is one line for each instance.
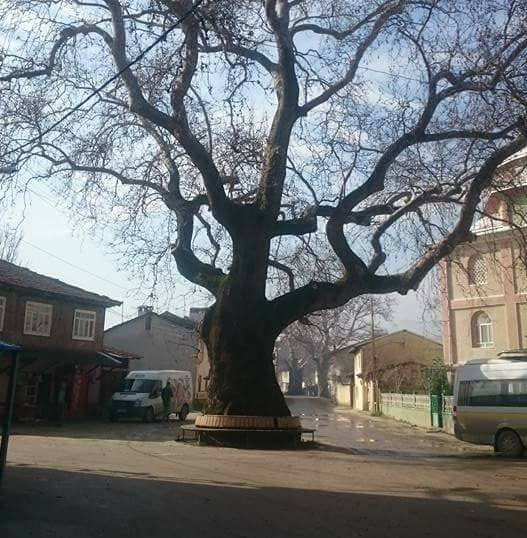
<point>289,154</point>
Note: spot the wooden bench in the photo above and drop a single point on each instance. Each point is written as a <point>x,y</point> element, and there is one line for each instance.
<point>200,432</point>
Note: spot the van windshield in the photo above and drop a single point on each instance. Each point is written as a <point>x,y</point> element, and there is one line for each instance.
<point>139,385</point>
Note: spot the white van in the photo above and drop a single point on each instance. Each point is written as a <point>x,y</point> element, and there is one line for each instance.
<point>141,395</point>
<point>490,403</point>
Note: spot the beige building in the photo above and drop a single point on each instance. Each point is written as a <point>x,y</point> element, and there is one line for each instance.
<point>484,282</point>
<point>400,359</point>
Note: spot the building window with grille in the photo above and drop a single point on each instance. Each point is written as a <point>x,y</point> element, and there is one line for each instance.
<point>477,270</point>
<point>482,330</point>
<point>2,312</point>
<point>38,319</point>
<point>84,325</point>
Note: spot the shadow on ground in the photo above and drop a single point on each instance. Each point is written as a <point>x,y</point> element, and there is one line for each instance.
<point>119,431</point>
<point>40,502</point>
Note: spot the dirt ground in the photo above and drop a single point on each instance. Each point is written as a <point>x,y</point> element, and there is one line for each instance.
<point>135,480</point>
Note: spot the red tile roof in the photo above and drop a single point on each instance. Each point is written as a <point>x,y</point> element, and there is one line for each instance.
<point>14,276</point>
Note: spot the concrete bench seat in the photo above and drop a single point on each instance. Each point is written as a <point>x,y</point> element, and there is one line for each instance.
<point>201,433</point>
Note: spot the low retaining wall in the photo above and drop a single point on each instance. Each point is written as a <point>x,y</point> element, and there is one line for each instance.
<point>415,409</point>
<point>448,418</point>
<point>412,408</point>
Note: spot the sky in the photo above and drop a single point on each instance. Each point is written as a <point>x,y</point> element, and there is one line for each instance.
<point>52,246</point>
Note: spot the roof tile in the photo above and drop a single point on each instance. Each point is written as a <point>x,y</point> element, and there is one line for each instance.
<point>15,276</point>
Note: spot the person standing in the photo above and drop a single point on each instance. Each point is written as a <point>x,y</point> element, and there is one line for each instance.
<point>61,401</point>
<point>166,395</point>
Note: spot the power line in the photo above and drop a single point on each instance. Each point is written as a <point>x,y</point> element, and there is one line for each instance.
<point>113,78</point>
<point>73,265</point>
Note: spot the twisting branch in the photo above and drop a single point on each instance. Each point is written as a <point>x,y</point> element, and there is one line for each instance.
<point>285,269</point>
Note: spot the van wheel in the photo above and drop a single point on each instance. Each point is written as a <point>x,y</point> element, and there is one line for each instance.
<point>509,444</point>
<point>183,412</point>
<point>149,415</point>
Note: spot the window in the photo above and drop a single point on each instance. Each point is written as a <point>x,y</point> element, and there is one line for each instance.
<point>482,331</point>
<point>518,210</point>
<point>477,270</point>
<point>492,392</point>
<point>2,312</point>
<point>38,319</point>
<point>84,325</point>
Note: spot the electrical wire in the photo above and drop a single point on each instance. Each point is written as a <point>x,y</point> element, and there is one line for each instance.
<point>113,78</point>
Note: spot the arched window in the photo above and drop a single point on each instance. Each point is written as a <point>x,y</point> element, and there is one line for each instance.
<point>482,331</point>
<point>477,270</point>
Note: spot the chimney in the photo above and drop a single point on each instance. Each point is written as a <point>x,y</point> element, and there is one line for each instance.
<point>146,311</point>
<point>197,313</point>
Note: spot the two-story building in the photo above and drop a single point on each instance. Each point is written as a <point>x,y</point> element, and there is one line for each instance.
<point>60,329</point>
<point>164,341</point>
<point>484,281</point>
<point>396,360</point>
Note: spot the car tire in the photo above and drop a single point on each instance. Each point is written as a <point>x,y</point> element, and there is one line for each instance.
<point>149,415</point>
<point>508,444</point>
<point>183,412</point>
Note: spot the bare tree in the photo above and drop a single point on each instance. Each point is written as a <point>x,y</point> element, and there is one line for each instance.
<point>293,358</point>
<point>331,332</point>
<point>259,130</point>
<point>10,239</point>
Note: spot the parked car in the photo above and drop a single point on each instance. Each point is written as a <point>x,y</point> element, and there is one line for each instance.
<point>490,403</point>
<point>141,395</point>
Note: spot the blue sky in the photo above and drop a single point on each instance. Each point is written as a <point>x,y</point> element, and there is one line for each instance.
<point>53,247</point>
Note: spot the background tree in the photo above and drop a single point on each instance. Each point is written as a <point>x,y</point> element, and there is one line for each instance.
<point>329,333</point>
<point>259,130</point>
<point>293,359</point>
<point>10,239</point>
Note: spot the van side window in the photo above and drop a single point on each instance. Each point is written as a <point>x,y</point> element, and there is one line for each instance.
<point>493,393</point>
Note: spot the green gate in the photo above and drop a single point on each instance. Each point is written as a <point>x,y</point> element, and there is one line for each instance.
<point>436,410</point>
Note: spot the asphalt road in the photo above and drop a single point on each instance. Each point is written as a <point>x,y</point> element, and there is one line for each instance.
<point>363,434</point>
<point>134,480</point>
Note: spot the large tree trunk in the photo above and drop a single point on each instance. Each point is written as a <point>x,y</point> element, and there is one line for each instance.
<point>242,375</point>
<point>240,337</point>
<point>322,373</point>
<point>295,380</point>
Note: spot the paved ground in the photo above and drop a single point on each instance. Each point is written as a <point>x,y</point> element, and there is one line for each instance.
<point>363,434</point>
<point>133,480</point>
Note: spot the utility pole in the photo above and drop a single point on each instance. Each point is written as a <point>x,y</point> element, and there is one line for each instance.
<point>374,355</point>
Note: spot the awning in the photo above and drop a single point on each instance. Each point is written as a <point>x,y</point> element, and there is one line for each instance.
<point>94,358</point>
<point>4,346</point>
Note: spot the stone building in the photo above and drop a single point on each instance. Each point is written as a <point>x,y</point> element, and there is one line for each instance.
<point>484,281</point>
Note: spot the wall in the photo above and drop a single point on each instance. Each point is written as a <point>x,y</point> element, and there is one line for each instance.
<point>202,371</point>
<point>462,323</point>
<point>164,346</point>
<point>61,323</point>
<point>411,408</point>
<point>503,298</point>
<point>448,418</point>
<point>343,394</point>
<point>399,347</point>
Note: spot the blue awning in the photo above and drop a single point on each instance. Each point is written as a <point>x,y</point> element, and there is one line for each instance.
<point>4,346</point>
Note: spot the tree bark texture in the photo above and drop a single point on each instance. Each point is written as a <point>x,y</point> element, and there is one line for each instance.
<point>323,372</point>
<point>240,337</point>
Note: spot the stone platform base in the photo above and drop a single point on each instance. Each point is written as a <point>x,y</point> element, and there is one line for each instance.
<point>238,438</point>
<point>248,422</point>
<point>247,431</point>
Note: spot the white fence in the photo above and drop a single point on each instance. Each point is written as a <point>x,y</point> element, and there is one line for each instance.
<point>412,408</point>
<point>415,409</point>
<point>448,418</point>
